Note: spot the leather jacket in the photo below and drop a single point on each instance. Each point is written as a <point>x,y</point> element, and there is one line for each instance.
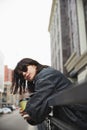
<point>48,82</point>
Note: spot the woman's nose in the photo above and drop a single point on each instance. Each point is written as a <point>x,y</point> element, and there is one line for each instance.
<point>25,74</point>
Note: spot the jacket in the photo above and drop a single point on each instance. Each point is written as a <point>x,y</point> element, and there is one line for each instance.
<point>48,82</point>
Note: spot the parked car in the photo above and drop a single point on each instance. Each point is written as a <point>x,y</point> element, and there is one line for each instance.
<point>6,110</point>
<point>1,111</point>
<point>12,107</point>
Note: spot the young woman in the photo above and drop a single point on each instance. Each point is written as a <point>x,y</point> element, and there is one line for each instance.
<point>45,81</point>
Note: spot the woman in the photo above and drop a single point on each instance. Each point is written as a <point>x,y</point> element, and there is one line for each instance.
<point>45,82</point>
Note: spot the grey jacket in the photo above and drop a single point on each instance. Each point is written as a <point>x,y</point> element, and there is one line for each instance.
<point>47,83</point>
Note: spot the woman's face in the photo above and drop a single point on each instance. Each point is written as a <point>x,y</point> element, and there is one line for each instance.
<point>30,73</point>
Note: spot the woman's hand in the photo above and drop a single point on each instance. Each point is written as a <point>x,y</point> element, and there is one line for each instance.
<point>24,114</point>
<point>27,117</point>
<point>21,111</point>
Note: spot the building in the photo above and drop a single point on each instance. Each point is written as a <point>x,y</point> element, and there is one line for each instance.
<point>7,84</point>
<point>1,76</point>
<point>1,72</point>
<point>68,34</point>
<point>7,97</point>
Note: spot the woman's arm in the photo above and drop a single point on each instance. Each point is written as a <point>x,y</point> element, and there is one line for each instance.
<point>37,107</point>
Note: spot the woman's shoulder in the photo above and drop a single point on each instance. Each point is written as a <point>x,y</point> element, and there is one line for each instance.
<point>47,72</point>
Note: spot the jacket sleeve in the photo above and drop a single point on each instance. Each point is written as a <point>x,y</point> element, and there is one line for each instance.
<point>37,107</point>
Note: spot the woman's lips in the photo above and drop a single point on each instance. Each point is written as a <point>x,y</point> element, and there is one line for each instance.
<point>28,77</point>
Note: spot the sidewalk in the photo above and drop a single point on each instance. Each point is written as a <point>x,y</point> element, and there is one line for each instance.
<point>32,127</point>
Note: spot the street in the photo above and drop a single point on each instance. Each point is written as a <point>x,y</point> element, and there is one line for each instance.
<point>14,121</point>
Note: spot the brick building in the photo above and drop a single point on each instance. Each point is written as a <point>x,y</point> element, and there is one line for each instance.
<point>1,76</point>
<point>7,97</point>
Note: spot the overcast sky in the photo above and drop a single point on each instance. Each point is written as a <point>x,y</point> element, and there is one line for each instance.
<point>24,30</point>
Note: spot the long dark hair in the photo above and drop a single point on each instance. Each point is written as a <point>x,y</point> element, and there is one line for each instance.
<point>19,84</point>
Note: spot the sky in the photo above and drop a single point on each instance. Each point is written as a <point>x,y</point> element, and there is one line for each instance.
<point>24,30</point>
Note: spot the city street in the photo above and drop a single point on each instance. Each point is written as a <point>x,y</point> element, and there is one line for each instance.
<point>14,121</point>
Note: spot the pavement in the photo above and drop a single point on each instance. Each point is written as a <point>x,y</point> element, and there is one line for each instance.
<point>32,127</point>
<point>14,121</point>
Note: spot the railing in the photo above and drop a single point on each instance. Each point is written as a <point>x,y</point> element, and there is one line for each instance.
<point>73,95</point>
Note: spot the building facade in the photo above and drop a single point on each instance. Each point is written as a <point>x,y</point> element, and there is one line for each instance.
<point>7,97</point>
<point>68,34</point>
<point>1,76</point>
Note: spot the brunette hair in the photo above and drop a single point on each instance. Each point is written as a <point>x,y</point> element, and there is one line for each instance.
<point>18,81</point>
